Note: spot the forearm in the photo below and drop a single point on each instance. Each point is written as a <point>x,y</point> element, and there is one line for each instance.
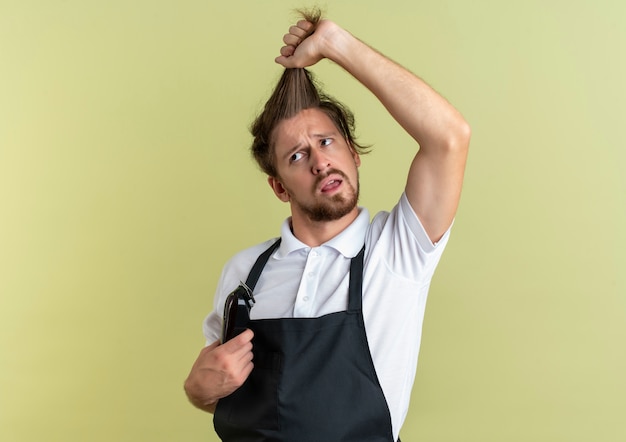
<point>421,111</point>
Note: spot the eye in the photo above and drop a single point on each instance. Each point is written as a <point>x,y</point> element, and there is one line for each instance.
<point>295,157</point>
<point>326,141</point>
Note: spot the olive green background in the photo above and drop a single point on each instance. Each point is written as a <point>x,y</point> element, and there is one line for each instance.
<point>125,184</point>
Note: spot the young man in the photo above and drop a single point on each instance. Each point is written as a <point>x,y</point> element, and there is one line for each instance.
<point>331,347</point>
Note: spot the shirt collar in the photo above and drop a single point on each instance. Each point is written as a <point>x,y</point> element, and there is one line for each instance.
<point>349,242</point>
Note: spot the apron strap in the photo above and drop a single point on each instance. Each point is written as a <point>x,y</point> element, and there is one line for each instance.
<point>355,293</point>
<point>257,268</point>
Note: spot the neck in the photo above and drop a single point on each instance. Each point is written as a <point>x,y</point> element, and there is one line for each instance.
<point>316,233</point>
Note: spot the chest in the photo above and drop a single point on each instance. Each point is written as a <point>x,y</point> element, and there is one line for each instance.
<point>305,285</point>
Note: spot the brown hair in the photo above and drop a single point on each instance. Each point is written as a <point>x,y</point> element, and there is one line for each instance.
<point>296,90</point>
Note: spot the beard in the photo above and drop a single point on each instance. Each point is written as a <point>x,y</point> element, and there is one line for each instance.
<point>333,208</point>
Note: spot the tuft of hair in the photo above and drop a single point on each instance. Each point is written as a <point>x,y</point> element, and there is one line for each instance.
<point>296,91</point>
<point>312,15</point>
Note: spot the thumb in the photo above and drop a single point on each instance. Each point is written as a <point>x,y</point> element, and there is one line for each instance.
<point>284,61</point>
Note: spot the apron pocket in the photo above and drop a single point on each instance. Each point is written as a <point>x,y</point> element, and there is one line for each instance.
<point>254,406</point>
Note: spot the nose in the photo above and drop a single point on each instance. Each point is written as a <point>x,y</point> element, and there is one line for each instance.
<point>319,162</point>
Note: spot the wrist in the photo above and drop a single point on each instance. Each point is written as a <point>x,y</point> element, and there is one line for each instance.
<point>340,45</point>
<point>198,394</point>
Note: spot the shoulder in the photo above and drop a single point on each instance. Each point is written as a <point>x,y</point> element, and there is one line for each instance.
<point>236,270</point>
<point>403,226</point>
<point>240,264</point>
<point>397,240</point>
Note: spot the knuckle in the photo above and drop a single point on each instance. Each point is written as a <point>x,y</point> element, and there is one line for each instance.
<point>243,375</point>
<point>222,362</point>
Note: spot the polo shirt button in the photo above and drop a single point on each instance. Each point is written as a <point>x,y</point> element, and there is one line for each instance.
<point>305,299</point>
<point>311,275</point>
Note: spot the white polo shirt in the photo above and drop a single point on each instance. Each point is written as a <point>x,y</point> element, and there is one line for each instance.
<point>301,281</point>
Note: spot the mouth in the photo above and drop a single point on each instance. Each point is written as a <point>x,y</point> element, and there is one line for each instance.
<point>331,185</point>
<point>331,182</point>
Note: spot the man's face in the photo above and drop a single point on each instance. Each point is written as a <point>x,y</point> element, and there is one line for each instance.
<point>316,168</point>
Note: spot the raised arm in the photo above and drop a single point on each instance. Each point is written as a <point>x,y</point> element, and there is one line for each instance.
<point>436,174</point>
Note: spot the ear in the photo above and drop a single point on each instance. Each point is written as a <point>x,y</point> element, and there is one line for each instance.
<point>355,156</point>
<point>278,189</point>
